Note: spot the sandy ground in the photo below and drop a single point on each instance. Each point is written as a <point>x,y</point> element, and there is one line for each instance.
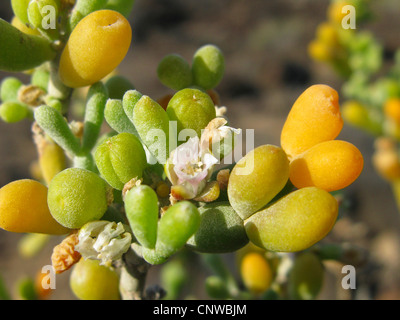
<point>267,67</point>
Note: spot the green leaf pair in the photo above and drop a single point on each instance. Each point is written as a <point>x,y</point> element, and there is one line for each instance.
<point>207,70</point>
<point>160,238</point>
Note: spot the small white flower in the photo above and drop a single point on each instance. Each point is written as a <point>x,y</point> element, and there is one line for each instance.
<point>191,166</point>
<point>217,137</point>
<point>103,240</point>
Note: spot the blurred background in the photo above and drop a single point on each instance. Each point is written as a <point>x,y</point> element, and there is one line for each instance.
<point>267,68</point>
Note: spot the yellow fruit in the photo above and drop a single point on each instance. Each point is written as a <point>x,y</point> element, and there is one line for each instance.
<point>328,34</point>
<point>335,14</point>
<point>306,277</point>
<point>23,208</point>
<point>392,109</point>
<point>23,27</point>
<point>387,164</point>
<point>52,161</point>
<point>330,165</point>
<point>95,48</point>
<point>257,178</point>
<point>256,273</point>
<point>319,51</point>
<point>295,222</point>
<point>314,118</point>
<point>91,281</point>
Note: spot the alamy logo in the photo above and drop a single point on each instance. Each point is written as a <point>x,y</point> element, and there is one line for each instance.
<point>49,14</point>
<point>349,280</point>
<point>49,280</point>
<point>349,21</point>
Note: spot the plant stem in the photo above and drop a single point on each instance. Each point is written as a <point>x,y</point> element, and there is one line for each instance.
<point>133,274</point>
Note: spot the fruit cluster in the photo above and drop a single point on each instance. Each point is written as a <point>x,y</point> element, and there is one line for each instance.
<point>149,187</point>
<point>372,95</point>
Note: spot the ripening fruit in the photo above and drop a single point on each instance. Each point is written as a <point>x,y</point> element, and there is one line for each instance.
<point>256,272</point>
<point>176,226</point>
<point>91,281</point>
<point>9,89</point>
<point>191,109</point>
<point>51,160</point>
<point>23,208</point>
<point>330,165</point>
<point>306,277</point>
<point>96,47</point>
<point>386,159</point>
<point>17,23</point>
<point>335,13</point>
<point>20,8</point>
<point>392,109</point>
<point>295,222</point>
<point>77,196</point>
<point>257,178</point>
<point>141,207</point>
<point>314,118</point>
<point>327,33</point>
<point>40,78</point>
<point>13,111</point>
<point>208,66</point>
<point>320,51</point>
<point>221,230</point>
<point>174,72</point>
<point>120,159</point>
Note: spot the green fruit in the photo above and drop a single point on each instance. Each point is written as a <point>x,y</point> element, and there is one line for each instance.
<point>37,13</point>
<point>122,6</point>
<point>257,178</point>
<point>117,119</point>
<point>208,66</point>
<point>23,51</point>
<point>40,78</point>
<point>176,226</point>
<point>306,277</point>
<point>295,222</point>
<point>26,289</point>
<point>152,123</point>
<point>9,89</point>
<point>173,276</point>
<point>216,288</point>
<point>191,109</point>
<point>120,159</point>
<point>20,8</point>
<point>82,8</point>
<point>117,86</point>
<point>91,281</point>
<point>77,196</point>
<point>174,72</point>
<point>12,112</point>
<point>141,207</point>
<point>221,230</point>
<point>129,101</point>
